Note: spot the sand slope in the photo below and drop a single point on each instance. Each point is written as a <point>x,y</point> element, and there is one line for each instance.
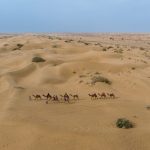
<point>71,62</point>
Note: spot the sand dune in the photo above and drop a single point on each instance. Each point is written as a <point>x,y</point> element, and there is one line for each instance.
<point>71,63</point>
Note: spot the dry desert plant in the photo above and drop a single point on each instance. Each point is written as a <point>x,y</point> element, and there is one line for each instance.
<point>96,79</point>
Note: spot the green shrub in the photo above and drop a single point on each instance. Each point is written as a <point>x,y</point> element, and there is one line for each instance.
<point>38,59</point>
<point>124,123</point>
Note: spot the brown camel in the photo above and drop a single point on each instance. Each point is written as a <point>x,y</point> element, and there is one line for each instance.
<point>93,96</point>
<point>75,97</point>
<point>37,97</point>
<point>62,97</point>
<point>48,96</point>
<point>103,95</point>
<point>66,97</point>
<point>55,98</point>
<point>112,95</point>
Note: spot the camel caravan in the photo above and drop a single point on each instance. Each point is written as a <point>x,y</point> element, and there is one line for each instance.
<point>67,98</point>
<point>102,95</point>
<point>55,98</point>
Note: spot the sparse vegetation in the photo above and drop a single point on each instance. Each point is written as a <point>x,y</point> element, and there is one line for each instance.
<point>68,41</point>
<point>148,107</point>
<point>119,51</point>
<point>74,72</point>
<point>50,37</point>
<point>124,123</point>
<point>58,38</point>
<point>118,46</point>
<point>55,46</point>
<point>96,79</point>
<point>81,81</point>
<point>85,43</point>
<point>97,73</point>
<point>38,59</point>
<point>141,48</point>
<point>6,44</point>
<point>111,38</point>
<point>109,47</point>
<point>82,76</point>
<point>97,44</point>
<point>104,49</point>
<point>19,46</point>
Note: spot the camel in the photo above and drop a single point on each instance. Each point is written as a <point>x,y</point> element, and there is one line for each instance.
<point>48,96</point>
<point>112,95</point>
<point>62,97</point>
<point>65,97</point>
<point>93,96</point>
<point>75,97</point>
<point>103,95</point>
<point>55,98</point>
<point>37,97</point>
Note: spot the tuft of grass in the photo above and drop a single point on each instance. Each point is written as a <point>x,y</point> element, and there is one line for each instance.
<point>124,123</point>
<point>96,79</point>
<point>38,59</point>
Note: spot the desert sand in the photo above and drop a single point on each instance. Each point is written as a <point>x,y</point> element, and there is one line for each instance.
<point>71,61</point>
